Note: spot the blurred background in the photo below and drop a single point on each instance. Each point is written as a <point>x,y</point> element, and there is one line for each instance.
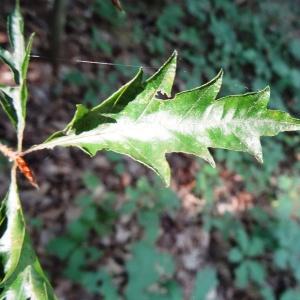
<point>107,228</point>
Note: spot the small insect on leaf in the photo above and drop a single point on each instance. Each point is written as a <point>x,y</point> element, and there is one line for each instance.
<point>26,171</point>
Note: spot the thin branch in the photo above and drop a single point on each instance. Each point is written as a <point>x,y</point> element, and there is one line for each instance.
<point>33,149</point>
<point>8,152</point>
<point>19,163</point>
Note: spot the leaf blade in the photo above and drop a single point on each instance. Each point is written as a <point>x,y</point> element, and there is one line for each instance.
<point>12,240</point>
<point>146,128</point>
<point>18,61</point>
<point>7,104</point>
<point>23,276</point>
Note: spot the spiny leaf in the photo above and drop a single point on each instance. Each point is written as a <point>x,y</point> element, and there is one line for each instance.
<point>17,60</point>
<point>135,122</point>
<point>23,276</point>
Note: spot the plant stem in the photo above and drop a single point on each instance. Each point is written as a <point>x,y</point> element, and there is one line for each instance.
<point>33,149</point>
<point>8,152</point>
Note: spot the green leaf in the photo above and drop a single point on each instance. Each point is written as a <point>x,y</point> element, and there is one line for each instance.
<point>7,58</point>
<point>267,293</point>
<point>7,104</point>
<point>14,99</point>
<point>235,255</point>
<point>154,267</point>
<point>242,239</point>
<point>108,289</point>
<point>62,247</point>
<point>294,47</point>
<point>290,294</point>
<point>206,281</point>
<point>257,271</point>
<point>23,277</point>
<point>281,257</point>
<point>242,275</point>
<point>12,240</point>
<point>256,247</point>
<point>135,122</point>
<point>15,33</point>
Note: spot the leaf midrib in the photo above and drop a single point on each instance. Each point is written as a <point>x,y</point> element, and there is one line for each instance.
<point>75,139</point>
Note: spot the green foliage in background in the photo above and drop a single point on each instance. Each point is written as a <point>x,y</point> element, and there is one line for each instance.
<point>148,203</point>
<point>134,121</point>
<point>73,248</point>
<point>256,43</point>
<point>263,246</point>
<point>260,249</point>
<point>151,272</point>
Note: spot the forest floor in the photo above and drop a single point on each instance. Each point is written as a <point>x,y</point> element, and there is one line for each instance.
<point>60,172</point>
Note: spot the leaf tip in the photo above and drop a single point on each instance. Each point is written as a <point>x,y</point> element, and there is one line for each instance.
<point>165,176</point>
<point>212,163</point>
<point>267,91</point>
<point>172,61</point>
<point>17,5</point>
<point>161,168</point>
<point>167,183</point>
<point>264,95</point>
<point>216,82</point>
<point>163,79</point>
<point>17,10</point>
<point>140,73</point>
<point>208,157</point>
<point>220,75</point>
<point>259,158</point>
